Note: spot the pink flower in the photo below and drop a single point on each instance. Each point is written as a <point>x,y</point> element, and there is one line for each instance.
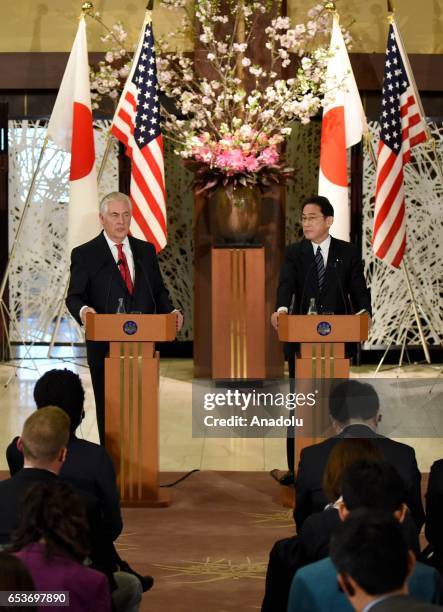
<point>251,163</point>
<point>268,157</point>
<point>231,161</point>
<point>203,154</point>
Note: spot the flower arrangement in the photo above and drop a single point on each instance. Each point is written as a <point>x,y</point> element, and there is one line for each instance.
<point>233,113</point>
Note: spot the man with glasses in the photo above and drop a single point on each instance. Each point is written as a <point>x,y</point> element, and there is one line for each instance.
<point>323,269</point>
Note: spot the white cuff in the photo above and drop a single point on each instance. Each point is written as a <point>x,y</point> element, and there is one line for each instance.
<point>80,313</point>
<point>282,309</point>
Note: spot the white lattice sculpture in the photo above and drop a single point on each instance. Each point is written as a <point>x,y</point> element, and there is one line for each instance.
<point>393,314</point>
<point>39,270</point>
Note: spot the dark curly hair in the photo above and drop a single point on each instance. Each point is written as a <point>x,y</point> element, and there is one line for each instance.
<point>64,389</point>
<point>55,513</point>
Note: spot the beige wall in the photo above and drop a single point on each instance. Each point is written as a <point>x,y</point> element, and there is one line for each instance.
<point>49,25</point>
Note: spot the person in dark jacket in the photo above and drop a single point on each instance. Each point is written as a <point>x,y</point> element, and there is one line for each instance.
<point>354,410</point>
<point>87,465</point>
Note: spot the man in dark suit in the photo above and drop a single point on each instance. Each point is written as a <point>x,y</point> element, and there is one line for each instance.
<point>321,267</point>
<point>354,410</point>
<point>111,272</point>
<point>374,566</point>
<point>319,270</point>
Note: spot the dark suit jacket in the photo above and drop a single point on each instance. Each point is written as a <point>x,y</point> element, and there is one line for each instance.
<point>89,468</point>
<point>88,589</point>
<point>404,603</point>
<point>12,492</point>
<point>310,496</point>
<point>344,289</point>
<point>96,281</point>
<point>434,507</point>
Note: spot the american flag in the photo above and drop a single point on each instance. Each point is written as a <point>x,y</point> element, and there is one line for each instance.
<point>402,126</point>
<point>137,125</point>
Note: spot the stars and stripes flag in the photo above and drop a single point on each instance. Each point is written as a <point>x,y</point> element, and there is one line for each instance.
<point>402,126</point>
<point>71,128</point>
<point>136,124</point>
<point>343,125</point>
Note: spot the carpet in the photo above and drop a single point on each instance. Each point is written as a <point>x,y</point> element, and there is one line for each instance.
<point>208,551</point>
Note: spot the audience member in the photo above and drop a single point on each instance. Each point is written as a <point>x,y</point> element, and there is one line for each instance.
<point>354,410</point>
<point>434,516</point>
<point>15,577</point>
<point>87,466</point>
<point>52,540</point>
<point>373,564</point>
<point>312,543</point>
<point>44,445</point>
<point>377,487</point>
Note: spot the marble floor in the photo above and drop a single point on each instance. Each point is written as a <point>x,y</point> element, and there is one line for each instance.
<point>179,451</point>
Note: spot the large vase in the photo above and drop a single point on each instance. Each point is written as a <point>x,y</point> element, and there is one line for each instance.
<point>238,213</point>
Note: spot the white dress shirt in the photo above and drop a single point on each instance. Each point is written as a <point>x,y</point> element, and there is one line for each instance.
<point>126,250</point>
<point>324,246</point>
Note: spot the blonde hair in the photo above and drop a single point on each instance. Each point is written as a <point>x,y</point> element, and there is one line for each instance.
<point>45,434</point>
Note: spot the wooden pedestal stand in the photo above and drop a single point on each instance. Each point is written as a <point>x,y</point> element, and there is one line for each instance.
<point>131,400</point>
<point>322,354</point>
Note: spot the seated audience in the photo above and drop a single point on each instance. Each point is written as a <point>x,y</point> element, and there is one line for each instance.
<point>312,543</point>
<point>87,466</point>
<point>44,445</point>
<point>15,577</point>
<point>434,515</point>
<point>354,410</point>
<point>373,564</point>
<point>52,540</point>
<point>377,487</point>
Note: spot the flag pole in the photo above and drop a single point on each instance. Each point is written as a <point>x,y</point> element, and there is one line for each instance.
<point>416,315</point>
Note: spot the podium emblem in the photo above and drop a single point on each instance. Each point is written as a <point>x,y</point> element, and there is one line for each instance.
<point>130,327</point>
<point>324,328</point>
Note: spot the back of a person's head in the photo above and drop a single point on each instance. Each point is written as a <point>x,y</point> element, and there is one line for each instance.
<point>370,547</point>
<point>64,389</point>
<point>53,513</point>
<point>345,453</point>
<point>353,400</point>
<point>372,484</point>
<point>45,434</point>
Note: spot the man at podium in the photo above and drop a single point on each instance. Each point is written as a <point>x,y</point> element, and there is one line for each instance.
<point>320,274</point>
<point>114,272</point>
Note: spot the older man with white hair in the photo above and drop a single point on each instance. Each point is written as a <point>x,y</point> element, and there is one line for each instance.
<point>112,271</point>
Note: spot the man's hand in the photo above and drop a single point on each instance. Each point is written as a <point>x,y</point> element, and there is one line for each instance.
<point>179,320</point>
<point>83,313</point>
<point>274,320</point>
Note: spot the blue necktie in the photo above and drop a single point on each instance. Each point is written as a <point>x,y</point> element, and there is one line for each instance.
<point>320,268</point>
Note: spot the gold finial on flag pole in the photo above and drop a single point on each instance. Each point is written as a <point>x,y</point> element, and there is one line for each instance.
<point>330,6</point>
<point>87,7</point>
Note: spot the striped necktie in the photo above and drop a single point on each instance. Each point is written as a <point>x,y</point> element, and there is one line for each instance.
<point>320,268</point>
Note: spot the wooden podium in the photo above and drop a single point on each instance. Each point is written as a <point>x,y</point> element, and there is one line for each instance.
<point>131,400</point>
<point>322,352</point>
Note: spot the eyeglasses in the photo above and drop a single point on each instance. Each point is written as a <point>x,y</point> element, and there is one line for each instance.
<point>311,218</point>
